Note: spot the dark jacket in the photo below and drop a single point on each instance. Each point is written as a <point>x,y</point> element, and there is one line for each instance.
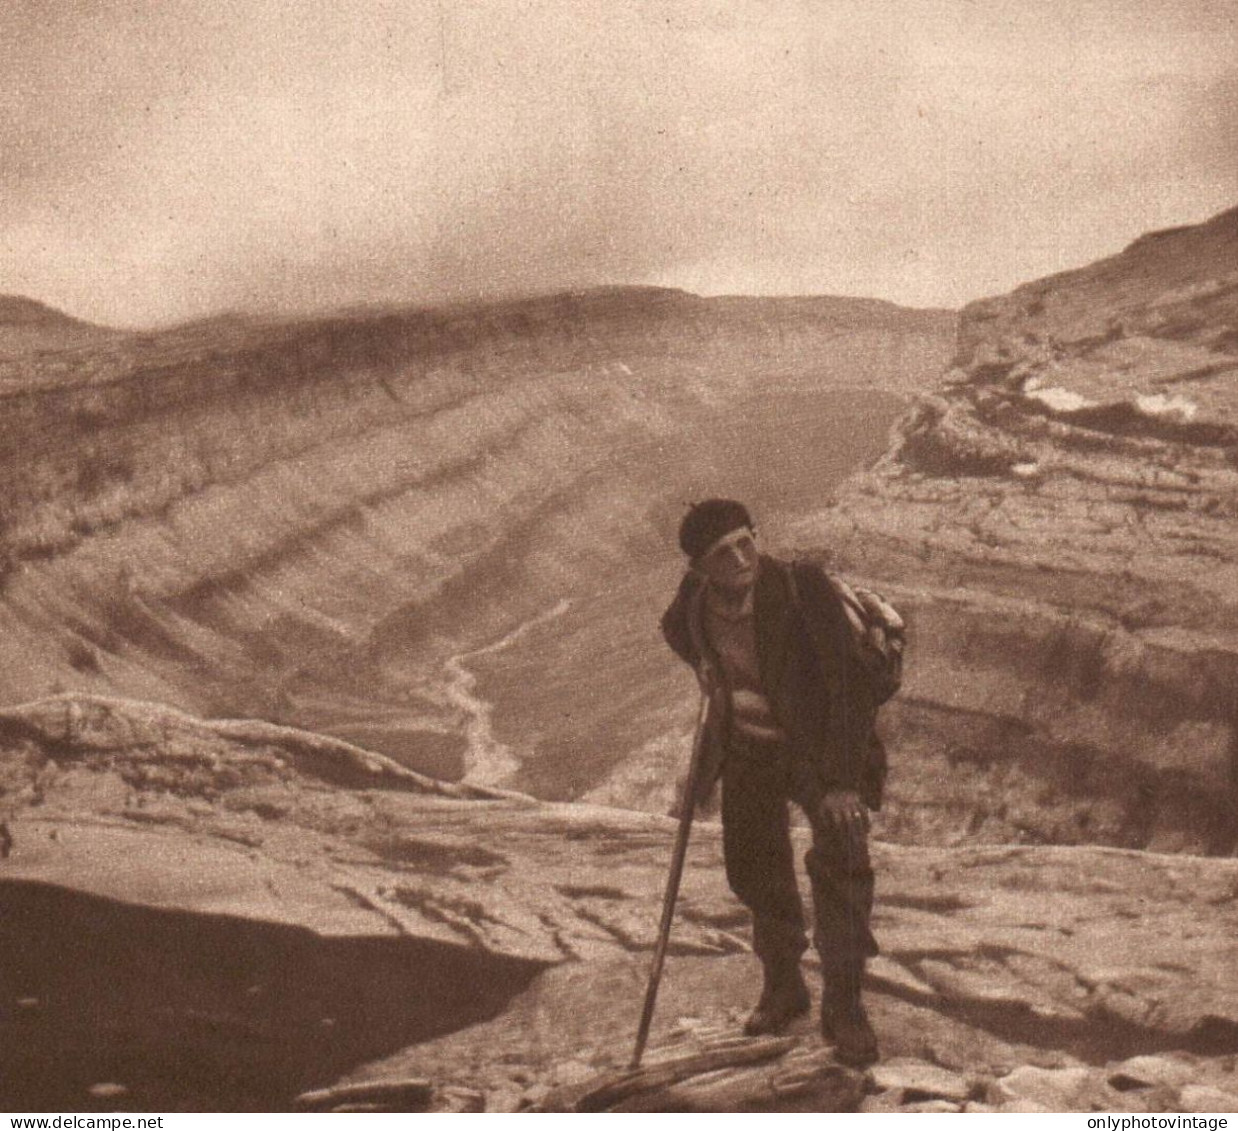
<point>809,672</point>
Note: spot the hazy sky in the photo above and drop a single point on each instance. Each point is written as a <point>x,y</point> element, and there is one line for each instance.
<point>161,159</point>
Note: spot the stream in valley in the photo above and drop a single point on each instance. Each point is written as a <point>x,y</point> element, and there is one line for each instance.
<point>541,667</point>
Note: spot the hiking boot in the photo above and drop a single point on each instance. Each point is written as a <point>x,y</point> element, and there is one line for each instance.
<point>844,1021</point>
<point>784,997</point>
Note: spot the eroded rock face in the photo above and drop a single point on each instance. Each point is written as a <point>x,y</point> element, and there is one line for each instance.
<point>1059,522</point>
<point>226,915</point>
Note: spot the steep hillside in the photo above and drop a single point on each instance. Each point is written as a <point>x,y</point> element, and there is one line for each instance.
<point>1060,521</point>
<point>328,522</point>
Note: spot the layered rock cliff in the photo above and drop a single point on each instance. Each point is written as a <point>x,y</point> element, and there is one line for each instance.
<point>1059,520</point>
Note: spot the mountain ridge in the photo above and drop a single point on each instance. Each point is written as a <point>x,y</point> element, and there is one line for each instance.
<point>28,326</point>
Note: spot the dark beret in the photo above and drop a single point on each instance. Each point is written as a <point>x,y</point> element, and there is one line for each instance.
<point>706,522</point>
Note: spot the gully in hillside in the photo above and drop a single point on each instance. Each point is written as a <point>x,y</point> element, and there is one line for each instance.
<point>794,664</point>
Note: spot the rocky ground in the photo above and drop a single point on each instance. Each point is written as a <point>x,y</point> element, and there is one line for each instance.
<point>214,915</point>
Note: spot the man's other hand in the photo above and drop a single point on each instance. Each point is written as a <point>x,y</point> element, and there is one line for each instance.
<point>844,809</point>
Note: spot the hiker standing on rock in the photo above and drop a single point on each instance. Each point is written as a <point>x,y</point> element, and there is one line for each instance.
<point>779,649</point>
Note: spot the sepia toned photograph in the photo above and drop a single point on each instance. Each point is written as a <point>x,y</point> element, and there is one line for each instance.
<point>578,556</point>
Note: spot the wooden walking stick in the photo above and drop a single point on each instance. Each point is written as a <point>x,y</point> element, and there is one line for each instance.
<point>686,812</point>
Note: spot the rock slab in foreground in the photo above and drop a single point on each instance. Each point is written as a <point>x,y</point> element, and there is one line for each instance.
<point>774,1074</point>
<point>378,931</point>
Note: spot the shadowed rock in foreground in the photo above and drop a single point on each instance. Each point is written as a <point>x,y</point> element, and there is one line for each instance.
<point>225,915</point>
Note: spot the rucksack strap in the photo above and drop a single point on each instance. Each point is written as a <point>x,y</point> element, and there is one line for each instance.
<point>876,630</point>
<point>853,608</point>
<point>794,586</point>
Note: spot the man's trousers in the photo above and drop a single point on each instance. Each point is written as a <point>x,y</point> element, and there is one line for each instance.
<point>759,780</point>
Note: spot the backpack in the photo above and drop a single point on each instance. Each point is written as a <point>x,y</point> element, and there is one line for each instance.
<point>878,634</point>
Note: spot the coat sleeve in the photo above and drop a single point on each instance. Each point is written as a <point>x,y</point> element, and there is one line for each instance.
<point>674,623</point>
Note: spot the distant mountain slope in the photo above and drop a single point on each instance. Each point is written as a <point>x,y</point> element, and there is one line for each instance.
<point>27,327</point>
<point>315,520</point>
<point>1063,519</point>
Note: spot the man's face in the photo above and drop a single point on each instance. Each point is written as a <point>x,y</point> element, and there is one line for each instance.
<point>731,562</point>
